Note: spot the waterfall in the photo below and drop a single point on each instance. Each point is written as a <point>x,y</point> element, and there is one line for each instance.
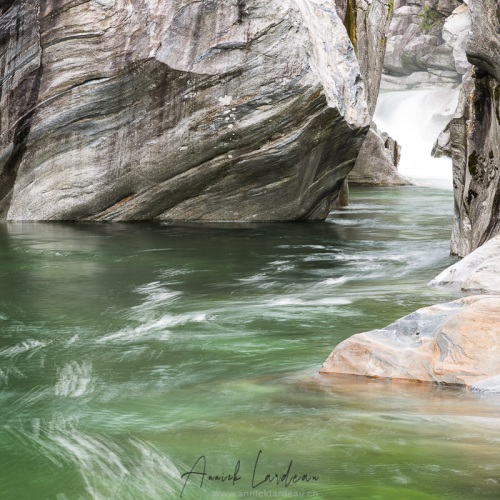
<point>414,118</point>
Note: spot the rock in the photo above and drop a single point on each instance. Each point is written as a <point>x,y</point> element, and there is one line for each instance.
<point>490,385</point>
<point>475,146</point>
<point>446,7</point>
<point>377,162</point>
<point>454,343</point>
<point>479,272</point>
<point>417,53</point>
<point>483,44</point>
<point>418,79</point>
<point>442,146</point>
<point>475,135</point>
<point>177,110</point>
<point>367,23</point>
<point>455,34</point>
<point>373,18</point>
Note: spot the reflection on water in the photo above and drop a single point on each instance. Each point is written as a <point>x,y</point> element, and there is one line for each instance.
<point>129,351</point>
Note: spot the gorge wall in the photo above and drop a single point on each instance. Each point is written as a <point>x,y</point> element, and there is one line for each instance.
<point>426,44</point>
<point>475,135</point>
<point>180,110</point>
<point>425,48</point>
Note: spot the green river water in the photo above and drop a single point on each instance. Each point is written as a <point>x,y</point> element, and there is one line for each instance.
<point>131,354</point>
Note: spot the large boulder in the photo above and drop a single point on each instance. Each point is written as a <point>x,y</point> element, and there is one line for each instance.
<point>454,343</point>
<point>175,110</point>
<point>479,272</point>
<point>367,23</point>
<point>475,136</point>
<point>377,162</point>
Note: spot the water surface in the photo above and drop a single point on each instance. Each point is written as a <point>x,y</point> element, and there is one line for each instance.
<point>128,351</point>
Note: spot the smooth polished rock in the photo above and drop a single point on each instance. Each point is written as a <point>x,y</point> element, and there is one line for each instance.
<point>475,151</point>
<point>475,135</point>
<point>483,44</point>
<point>455,343</point>
<point>377,162</point>
<point>479,272</point>
<point>178,110</point>
<point>417,45</point>
<point>455,33</point>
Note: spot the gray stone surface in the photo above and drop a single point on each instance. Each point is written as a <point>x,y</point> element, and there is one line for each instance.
<point>455,33</point>
<point>377,162</point>
<point>483,45</point>
<point>425,45</point>
<point>489,386</point>
<point>175,110</point>
<point>479,272</point>
<point>475,149</point>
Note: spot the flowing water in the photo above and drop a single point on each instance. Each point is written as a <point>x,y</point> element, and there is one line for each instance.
<point>415,118</point>
<point>130,351</point>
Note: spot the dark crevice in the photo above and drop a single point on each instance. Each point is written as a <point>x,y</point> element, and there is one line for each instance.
<point>6,5</point>
<point>494,224</point>
<point>241,10</point>
<point>19,142</point>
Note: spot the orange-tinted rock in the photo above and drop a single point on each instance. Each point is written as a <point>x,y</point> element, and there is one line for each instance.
<point>453,343</point>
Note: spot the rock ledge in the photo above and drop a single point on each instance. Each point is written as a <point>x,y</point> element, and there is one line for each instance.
<point>456,343</point>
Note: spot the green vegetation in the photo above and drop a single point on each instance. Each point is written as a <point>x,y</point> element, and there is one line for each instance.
<point>472,163</point>
<point>429,17</point>
<point>390,9</point>
<point>350,21</point>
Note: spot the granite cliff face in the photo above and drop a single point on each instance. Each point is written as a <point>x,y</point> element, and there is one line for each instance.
<point>426,44</point>
<point>475,135</point>
<point>456,343</point>
<point>367,23</point>
<point>181,110</point>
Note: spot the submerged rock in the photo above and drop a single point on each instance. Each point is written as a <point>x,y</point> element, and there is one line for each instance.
<point>454,343</point>
<point>176,110</point>
<point>479,272</point>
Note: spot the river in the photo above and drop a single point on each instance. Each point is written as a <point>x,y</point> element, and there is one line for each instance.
<point>135,358</point>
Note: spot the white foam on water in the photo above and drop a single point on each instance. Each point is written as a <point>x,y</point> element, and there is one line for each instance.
<point>157,329</point>
<point>132,469</point>
<point>75,379</point>
<point>156,295</point>
<point>73,339</point>
<point>254,279</point>
<point>334,301</point>
<point>30,346</point>
<point>414,118</point>
<point>334,281</point>
<point>295,301</point>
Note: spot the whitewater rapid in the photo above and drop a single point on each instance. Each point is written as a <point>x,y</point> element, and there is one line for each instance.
<point>414,118</point>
